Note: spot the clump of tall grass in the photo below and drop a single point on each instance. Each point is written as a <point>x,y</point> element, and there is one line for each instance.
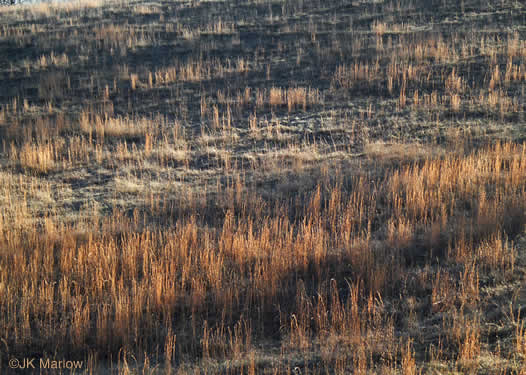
<point>317,262</point>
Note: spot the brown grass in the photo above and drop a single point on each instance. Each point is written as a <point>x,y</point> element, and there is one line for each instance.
<point>147,276</point>
<point>213,187</point>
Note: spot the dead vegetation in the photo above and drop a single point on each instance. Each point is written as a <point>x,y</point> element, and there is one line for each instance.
<point>264,187</point>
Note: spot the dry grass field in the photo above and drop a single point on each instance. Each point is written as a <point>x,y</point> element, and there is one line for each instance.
<point>263,187</point>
